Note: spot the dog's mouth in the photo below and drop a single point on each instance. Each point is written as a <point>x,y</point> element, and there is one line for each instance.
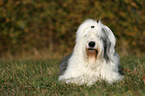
<point>92,53</point>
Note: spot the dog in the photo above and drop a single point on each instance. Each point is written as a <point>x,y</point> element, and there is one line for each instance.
<point>93,58</point>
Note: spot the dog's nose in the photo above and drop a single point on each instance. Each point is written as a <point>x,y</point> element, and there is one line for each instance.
<point>91,44</point>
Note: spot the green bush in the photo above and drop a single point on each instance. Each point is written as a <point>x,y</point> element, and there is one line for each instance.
<point>41,24</point>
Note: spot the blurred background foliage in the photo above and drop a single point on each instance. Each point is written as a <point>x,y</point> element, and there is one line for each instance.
<point>34,25</point>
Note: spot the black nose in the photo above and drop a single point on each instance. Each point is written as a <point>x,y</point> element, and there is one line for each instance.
<point>91,44</point>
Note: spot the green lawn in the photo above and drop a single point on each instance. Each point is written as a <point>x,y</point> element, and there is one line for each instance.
<point>39,77</point>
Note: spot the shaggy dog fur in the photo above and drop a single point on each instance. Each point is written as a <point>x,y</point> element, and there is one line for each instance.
<point>94,57</point>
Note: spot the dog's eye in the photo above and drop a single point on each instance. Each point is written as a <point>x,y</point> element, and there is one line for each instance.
<point>99,37</point>
<point>85,36</point>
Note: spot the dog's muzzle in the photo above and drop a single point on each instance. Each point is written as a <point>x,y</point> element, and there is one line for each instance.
<point>91,44</point>
<point>92,49</point>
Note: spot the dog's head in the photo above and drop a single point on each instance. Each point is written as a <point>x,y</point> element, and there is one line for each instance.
<point>95,40</point>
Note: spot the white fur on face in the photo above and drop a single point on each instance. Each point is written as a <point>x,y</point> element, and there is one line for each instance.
<point>85,34</point>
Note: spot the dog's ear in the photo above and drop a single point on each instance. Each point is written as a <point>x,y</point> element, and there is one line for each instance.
<point>109,43</point>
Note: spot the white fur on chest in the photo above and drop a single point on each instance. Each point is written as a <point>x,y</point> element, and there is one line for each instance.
<point>82,72</point>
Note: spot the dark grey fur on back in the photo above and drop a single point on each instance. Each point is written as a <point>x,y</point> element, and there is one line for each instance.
<point>64,64</point>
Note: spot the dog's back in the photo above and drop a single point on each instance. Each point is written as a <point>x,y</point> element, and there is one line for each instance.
<point>64,64</point>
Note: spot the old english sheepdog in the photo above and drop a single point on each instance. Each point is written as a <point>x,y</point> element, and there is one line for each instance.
<point>94,57</point>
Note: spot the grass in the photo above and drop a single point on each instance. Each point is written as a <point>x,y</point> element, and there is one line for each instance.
<point>39,77</point>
